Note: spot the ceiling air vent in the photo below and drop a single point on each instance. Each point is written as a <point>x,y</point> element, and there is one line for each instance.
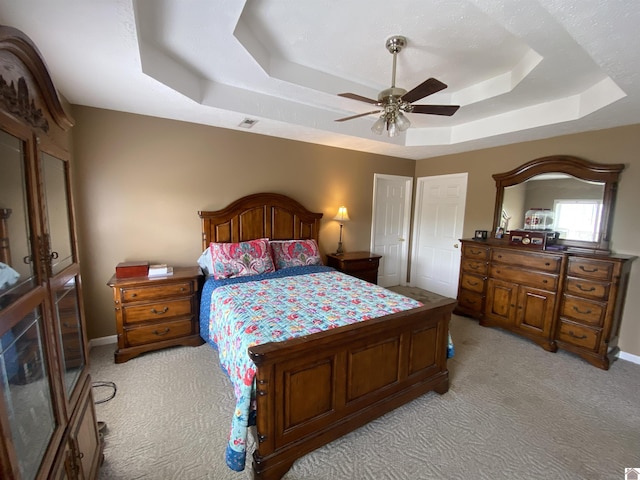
<point>247,123</point>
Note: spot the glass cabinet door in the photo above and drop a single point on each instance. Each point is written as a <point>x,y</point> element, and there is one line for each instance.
<point>17,266</point>
<point>56,192</point>
<point>70,333</point>
<point>27,392</point>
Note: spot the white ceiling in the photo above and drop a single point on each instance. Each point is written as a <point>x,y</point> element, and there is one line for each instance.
<point>520,69</point>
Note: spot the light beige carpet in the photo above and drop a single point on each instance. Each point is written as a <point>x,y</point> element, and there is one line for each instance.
<point>513,411</point>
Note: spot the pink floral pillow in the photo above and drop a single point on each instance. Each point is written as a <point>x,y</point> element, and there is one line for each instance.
<point>241,259</point>
<point>295,253</point>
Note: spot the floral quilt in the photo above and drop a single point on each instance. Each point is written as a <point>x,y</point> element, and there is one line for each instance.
<point>274,309</point>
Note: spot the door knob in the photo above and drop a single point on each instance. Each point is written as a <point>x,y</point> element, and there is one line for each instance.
<point>456,246</point>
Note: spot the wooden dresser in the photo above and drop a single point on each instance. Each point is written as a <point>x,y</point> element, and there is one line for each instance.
<point>558,299</point>
<point>156,312</point>
<point>363,265</point>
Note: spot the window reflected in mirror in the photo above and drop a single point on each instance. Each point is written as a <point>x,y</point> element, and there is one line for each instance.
<point>574,206</point>
<point>17,271</point>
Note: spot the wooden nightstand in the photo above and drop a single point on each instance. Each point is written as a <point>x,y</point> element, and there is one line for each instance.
<point>156,312</point>
<point>363,265</point>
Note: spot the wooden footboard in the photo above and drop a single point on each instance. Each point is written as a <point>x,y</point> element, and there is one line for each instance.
<point>314,389</point>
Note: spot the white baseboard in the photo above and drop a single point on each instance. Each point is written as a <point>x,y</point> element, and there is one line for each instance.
<point>96,342</point>
<point>629,357</point>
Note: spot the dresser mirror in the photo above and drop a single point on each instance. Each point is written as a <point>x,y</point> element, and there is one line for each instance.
<point>576,195</point>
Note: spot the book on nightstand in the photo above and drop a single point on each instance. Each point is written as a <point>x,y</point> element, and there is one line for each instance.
<point>159,270</point>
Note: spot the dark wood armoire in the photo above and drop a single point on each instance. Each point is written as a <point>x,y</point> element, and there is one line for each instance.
<point>48,426</point>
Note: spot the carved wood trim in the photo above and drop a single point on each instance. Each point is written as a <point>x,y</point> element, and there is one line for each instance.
<point>16,98</point>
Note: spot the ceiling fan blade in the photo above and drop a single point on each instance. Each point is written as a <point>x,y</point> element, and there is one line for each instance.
<point>426,88</point>
<point>357,116</point>
<point>447,110</point>
<point>360,98</point>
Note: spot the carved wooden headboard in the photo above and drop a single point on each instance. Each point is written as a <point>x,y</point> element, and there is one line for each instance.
<point>261,215</point>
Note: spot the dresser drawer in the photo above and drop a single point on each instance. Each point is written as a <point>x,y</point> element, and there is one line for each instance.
<point>582,310</point>
<point>578,335</point>
<point>471,300</point>
<point>147,334</point>
<point>543,281</point>
<point>141,294</point>
<point>589,268</point>
<point>475,266</point>
<point>586,288</point>
<point>544,263</point>
<point>475,283</point>
<point>157,311</point>
<point>474,252</point>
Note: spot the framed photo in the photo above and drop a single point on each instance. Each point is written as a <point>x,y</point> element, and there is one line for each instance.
<point>481,234</point>
<point>499,232</point>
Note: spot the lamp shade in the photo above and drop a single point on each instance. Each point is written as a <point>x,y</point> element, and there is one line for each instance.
<point>343,215</point>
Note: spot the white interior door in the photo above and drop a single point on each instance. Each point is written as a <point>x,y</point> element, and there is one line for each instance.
<point>438,223</point>
<point>390,227</point>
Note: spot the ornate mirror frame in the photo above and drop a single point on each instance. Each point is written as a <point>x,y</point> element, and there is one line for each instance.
<point>608,174</point>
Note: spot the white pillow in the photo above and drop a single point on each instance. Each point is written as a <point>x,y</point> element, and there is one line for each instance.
<point>205,262</point>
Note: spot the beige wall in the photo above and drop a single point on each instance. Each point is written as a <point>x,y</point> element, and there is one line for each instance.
<point>140,181</point>
<point>618,145</point>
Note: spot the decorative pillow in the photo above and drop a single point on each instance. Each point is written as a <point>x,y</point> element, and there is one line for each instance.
<point>295,253</point>
<point>240,259</point>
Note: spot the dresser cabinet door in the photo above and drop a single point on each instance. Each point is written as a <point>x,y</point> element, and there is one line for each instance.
<point>501,301</point>
<point>535,310</point>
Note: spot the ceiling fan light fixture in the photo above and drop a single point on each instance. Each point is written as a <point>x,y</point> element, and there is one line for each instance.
<point>392,129</point>
<point>402,122</point>
<point>379,125</point>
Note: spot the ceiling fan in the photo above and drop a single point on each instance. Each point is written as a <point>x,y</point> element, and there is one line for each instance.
<point>395,101</point>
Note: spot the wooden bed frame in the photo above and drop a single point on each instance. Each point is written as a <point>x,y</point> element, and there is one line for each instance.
<point>314,389</point>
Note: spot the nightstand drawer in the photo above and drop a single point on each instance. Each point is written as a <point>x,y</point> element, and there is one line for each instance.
<point>156,311</point>
<point>141,294</point>
<point>156,333</point>
<point>361,265</point>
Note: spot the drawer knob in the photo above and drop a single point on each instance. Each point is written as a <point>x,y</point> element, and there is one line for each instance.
<point>580,287</point>
<point>164,332</point>
<point>182,289</point>
<point>473,283</point>
<point>133,295</point>
<point>545,281</point>
<point>160,312</point>
<point>547,264</point>
<point>587,270</point>
<point>579,337</point>
<point>584,312</point>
